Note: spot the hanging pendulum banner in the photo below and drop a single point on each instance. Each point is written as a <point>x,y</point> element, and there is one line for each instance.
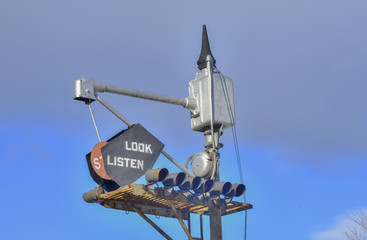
<point>129,154</point>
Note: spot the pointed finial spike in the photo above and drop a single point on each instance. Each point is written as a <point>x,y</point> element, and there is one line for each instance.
<point>205,50</point>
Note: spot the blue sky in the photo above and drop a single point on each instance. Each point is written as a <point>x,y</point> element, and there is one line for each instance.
<point>299,74</point>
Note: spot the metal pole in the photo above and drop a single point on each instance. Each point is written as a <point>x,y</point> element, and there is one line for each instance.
<point>179,165</point>
<point>185,102</point>
<point>109,107</point>
<point>201,228</point>
<point>216,224</point>
<point>189,222</point>
<point>87,87</point>
<point>94,122</point>
<point>215,217</point>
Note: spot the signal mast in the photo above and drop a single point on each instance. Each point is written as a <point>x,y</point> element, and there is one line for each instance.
<point>116,163</point>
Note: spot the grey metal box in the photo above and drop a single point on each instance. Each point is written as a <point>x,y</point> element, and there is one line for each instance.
<point>223,103</point>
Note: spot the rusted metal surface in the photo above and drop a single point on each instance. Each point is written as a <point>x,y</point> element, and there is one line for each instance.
<point>156,201</point>
<point>92,195</point>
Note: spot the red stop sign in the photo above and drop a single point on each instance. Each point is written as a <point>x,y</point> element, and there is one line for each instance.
<point>97,160</point>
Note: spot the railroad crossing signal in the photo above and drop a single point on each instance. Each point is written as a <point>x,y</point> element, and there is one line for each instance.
<point>132,153</point>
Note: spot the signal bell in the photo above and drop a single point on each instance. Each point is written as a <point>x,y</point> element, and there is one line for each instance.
<point>156,175</point>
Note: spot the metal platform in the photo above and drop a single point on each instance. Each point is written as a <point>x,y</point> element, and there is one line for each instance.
<point>164,202</point>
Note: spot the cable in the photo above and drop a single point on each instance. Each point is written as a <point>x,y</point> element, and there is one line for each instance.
<point>210,88</point>
<point>187,162</point>
<point>235,140</point>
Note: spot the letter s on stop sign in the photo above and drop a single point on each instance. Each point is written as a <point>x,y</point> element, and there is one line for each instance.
<point>97,161</point>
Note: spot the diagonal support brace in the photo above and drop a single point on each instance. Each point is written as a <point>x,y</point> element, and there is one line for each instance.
<point>152,223</point>
<point>127,122</point>
<point>180,221</point>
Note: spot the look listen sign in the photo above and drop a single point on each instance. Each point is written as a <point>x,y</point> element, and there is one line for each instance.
<point>128,155</point>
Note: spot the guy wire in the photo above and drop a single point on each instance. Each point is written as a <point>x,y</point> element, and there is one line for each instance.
<point>235,140</point>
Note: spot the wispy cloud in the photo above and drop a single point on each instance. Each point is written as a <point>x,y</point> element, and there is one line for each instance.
<point>342,224</point>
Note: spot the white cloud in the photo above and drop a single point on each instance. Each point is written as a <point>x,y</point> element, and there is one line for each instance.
<point>342,223</point>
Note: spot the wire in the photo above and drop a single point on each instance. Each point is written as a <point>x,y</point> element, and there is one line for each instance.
<point>235,140</point>
<point>245,224</point>
<point>209,66</point>
<point>187,161</point>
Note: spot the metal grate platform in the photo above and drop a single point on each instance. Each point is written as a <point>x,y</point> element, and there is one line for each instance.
<point>160,202</point>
